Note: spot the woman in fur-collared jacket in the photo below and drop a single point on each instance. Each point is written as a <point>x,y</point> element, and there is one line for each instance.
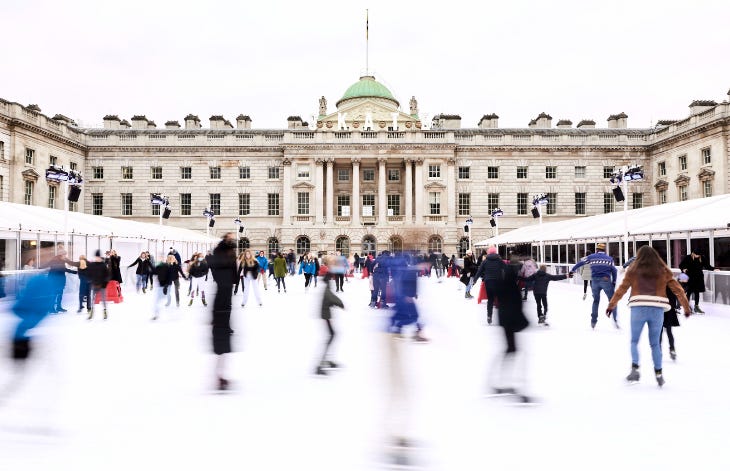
<point>648,277</point>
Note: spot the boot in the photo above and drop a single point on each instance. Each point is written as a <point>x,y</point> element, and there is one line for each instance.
<point>659,377</point>
<point>419,338</point>
<point>191,302</point>
<point>320,371</point>
<point>105,313</point>
<point>91,315</point>
<point>698,310</point>
<point>672,354</point>
<point>489,319</point>
<point>203,299</point>
<point>634,375</point>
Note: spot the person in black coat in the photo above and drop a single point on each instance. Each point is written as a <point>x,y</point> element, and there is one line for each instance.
<point>491,271</point>
<point>541,280</point>
<point>142,271</point>
<point>692,265</point>
<point>173,277</point>
<point>115,266</point>
<point>512,320</point>
<point>467,274</point>
<point>99,276</point>
<point>329,300</point>
<point>670,320</point>
<point>223,268</point>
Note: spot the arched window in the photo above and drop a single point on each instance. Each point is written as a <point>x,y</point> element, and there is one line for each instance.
<point>463,246</point>
<point>244,243</point>
<point>369,246</point>
<point>342,243</point>
<point>395,244</point>
<point>434,243</point>
<point>273,246</point>
<point>303,245</point>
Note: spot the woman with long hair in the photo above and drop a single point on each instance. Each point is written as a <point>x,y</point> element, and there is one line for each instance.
<point>198,273</point>
<point>84,286</point>
<point>143,269</point>
<point>280,271</point>
<point>248,271</point>
<point>308,267</point>
<point>648,277</point>
<point>692,265</point>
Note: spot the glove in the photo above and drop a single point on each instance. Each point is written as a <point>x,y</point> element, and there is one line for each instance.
<point>609,311</point>
<point>688,313</point>
<point>164,290</point>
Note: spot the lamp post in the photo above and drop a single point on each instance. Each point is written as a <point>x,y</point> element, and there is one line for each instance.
<point>161,200</point>
<point>56,174</point>
<point>620,179</point>
<point>469,223</point>
<point>496,214</point>
<point>238,224</point>
<point>211,220</point>
<point>541,199</point>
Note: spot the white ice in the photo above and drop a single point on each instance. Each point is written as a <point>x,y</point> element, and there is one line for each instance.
<point>129,393</point>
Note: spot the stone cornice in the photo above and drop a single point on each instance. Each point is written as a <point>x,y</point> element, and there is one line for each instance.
<point>396,146</point>
<point>198,149</point>
<point>46,133</point>
<point>718,123</point>
<point>549,148</point>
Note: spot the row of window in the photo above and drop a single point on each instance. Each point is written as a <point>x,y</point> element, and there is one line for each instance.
<point>186,173</point>
<point>30,157</point>
<point>706,156</point>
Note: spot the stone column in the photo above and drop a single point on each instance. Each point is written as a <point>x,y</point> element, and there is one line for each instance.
<point>419,191</point>
<point>451,187</point>
<point>382,212</point>
<point>409,191</point>
<point>319,191</point>
<point>355,198</point>
<point>330,191</point>
<point>286,190</point>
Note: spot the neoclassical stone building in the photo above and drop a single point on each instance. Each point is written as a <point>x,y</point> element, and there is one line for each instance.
<point>364,177</point>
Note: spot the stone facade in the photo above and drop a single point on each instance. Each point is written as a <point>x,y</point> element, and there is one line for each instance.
<point>400,183</point>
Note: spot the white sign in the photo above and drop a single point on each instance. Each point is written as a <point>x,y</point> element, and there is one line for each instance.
<point>367,210</point>
<point>345,210</point>
<point>390,212</point>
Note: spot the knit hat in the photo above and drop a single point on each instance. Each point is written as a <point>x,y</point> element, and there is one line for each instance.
<point>601,246</point>
<point>492,249</point>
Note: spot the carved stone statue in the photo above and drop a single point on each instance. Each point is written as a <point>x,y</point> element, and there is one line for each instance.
<point>414,106</point>
<point>322,106</point>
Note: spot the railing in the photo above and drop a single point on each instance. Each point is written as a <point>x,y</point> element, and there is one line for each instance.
<point>521,137</point>
<point>98,137</point>
<point>302,135</point>
<point>368,135</point>
<point>157,137</point>
<point>342,218</point>
<point>186,136</point>
<point>434,135</point>
<point>244,136</point>
<point>213,137</point>
<point>302,218</point>
<point>435,218</point>
<point>396,218</point>
<point>274,137</point>
<point>396,135</point>
<point>343,135</point>
<point>127,137</point>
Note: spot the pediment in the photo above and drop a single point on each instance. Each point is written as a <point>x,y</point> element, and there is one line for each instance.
<point>681,180</point>
<point>303,186</point>
<point>706,174</point>
<point>434,186</point>
<point>357,110</point>
<point>661,185</point>
<point>30,174</point>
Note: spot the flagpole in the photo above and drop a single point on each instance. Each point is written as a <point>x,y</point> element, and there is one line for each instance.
<point>366,41</point>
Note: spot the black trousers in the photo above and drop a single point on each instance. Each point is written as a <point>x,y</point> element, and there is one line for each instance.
<point>222,319</point>
<point>670,336</point>
<point>491,289</point>
<point>330,338</point>
<point>541,301</point>
<point>339,279</point>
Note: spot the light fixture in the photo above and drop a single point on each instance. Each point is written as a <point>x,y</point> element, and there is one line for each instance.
<point>56,174</point>
<point>618,194</point>
<point>496,213</point>
<point>238,223</point>
<point>535,212</point>
<point>166,213</point>
<point>540,199</point>
<point>158,199</point>
<point>208,213</point>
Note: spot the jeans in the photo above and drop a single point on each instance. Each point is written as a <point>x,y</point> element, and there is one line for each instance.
<point>470,284</point>
<point>598,285</point>
<point>290,266</point>
<point>654,317</point>
<point>141,282</point>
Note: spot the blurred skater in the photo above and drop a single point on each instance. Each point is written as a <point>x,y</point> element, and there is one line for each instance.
<point>280,271</point>
<point>329,299</point>
<point>223,268</point>
<point>248,271</point>
<point>198,274</point>
<point>99,278</point>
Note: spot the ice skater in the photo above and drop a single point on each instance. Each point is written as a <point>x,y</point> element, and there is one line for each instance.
<point>540,280</point>
<point>99,277</point>
<point>198,274</point>
<point>223,268</point>
<point>329,300</point>
<point>692,265</point>
<point>280,271</point>
<point>248,271</point>
<point>603,278</point>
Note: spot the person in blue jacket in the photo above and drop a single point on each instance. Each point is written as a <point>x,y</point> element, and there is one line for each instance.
<point>263,266</point>
<point>603,278</point>
<point>308,267</point>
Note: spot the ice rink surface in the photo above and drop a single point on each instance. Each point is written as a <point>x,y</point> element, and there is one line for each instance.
<point>132,394</point>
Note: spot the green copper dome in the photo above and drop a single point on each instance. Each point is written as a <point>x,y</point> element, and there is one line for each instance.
<point>367,87</point>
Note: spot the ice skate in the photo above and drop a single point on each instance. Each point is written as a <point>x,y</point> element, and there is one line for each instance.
<point>698,310</point>
<point>659,378</point>
<point>673,354</point>
<point>633,377</point>
<point>584,296</point>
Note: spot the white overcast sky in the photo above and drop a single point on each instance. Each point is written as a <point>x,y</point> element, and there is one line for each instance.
<point>272,59</point>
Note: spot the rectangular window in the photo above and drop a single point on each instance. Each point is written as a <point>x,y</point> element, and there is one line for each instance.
<point>637,200</point>
<point>552,205</point>
<point>127,173</point>
<point>29,156</point>
<point>368,174</point>
<point>28,195</point>
<point>51,196</point>
<point>342,201</point>
<point>97,204</point>
<point>662,169</point>
<point>662,196</point>
<point>156,173</point>
<point>707,188</point>
<point>706,156</point>
<point>683,162</point>
<point>73,206</point>
<point>580,171</point>
<point>274,174</point>
<point>368,205</point>
<point>580,203</point>
<point>608,202</point>
<point>343,174</point>
<point>155,207</point>
<point>303,203</point>
<point>97,173</point>
<point>464,173</point>
<point>434,171</point>
<point>303,171</point>
<point>186,173</point>
<point>521,172</point>
<point>683,193</point>
<point>492,172</point>
<point>215,203</point>
<point>492,201</point>
<point>215,173</point>
<point>393,175</point>
<point>52,160</point>
<point>464,204</point>
<point>551,172</point>
<point>2,188</point>
<point>2,150</point>
<point>244,173</point>
<point>607,171</point>
<point>186,204</point>
<point>521,203</point>
<point>434,199</point>
<point>74,166</point>
<point>126,204</point>
<point>244,204</point>
<point>393,205</point>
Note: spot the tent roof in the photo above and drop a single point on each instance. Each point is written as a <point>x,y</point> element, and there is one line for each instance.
<point>36,219</point>
<point>701,214</point>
